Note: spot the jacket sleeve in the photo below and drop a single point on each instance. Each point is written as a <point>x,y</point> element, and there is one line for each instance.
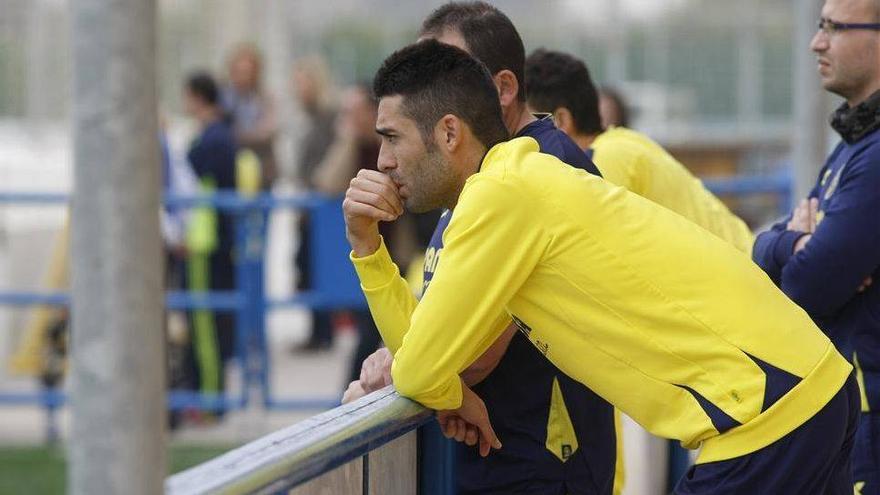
<point>200,159</point>
<point>774,247</point>
<point>845,248</point>
<point>490,250</point>
<point>389,296</point>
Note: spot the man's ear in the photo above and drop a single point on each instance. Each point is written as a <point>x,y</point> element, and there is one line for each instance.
<point>508,87</point>
<point>564,120</point>
<point>448,132</point>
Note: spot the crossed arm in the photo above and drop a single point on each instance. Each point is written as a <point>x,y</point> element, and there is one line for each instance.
<point>822,265</point>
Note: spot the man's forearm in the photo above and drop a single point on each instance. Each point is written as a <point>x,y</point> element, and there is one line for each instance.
<point>390,299</point>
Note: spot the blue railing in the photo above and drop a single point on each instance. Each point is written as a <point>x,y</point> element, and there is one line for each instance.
<point>335,286</point>
<point>779,184</point>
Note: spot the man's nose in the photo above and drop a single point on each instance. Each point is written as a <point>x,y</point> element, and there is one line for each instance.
<point>386,159</point>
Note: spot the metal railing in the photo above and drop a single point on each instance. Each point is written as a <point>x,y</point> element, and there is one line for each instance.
<point>314,448</point>
<point>778,183</point>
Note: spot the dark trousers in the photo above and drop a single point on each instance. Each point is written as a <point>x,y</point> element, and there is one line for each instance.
<point>212,333</point>
<point>322,320</point>
<point>866,455</point>
<point>816,458</point>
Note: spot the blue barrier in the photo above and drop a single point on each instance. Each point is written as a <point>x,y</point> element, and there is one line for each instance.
<point>226,300</point>
<point>778,183</point>
<point>335,288</point>
<point>177,400</point>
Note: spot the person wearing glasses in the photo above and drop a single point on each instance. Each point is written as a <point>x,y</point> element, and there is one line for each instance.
<point>826,254</point>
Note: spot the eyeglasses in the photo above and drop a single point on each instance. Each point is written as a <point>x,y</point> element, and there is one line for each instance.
<point>828,26</point>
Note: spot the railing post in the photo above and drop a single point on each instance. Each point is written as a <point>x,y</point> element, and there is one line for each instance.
<point>251,338</point>
<point>259,231</point>
<point>242,314</point>
<point>809,102</point>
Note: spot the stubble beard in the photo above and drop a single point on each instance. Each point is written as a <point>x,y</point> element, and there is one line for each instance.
<point>435,186</point>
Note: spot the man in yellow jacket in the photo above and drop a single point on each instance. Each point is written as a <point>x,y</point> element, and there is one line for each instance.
<point>560,84</point>
<point>669,323</point>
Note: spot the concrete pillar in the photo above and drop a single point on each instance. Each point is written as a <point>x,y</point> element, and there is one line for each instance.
<point>810,105</point>
<point>118,361</point>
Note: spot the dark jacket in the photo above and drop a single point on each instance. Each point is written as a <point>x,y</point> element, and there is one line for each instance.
<point>825,276</point>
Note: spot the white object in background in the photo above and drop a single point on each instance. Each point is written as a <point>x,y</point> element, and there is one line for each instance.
<point>646,458</point>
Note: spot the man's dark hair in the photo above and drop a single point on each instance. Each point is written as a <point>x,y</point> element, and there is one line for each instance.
<point>436,79</point>
<point>202,84</point>
<point>555,80</point>
<point>490,36</point>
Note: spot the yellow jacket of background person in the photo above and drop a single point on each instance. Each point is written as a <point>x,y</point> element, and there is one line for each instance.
<point>644,307</point>
<point>632,160</point>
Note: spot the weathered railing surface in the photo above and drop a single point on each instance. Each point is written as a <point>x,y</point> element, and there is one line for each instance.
<point>366,447</point>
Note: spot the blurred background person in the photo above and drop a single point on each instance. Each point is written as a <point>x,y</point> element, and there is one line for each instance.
<point>251,109</point>
<point>312,87</point>
<point>355,146</point>
<point>613,108</point>
<point>210,235</point>
<point>178,179</point>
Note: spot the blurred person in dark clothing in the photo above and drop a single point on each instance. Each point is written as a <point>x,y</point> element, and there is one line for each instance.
<point>210,235</point>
